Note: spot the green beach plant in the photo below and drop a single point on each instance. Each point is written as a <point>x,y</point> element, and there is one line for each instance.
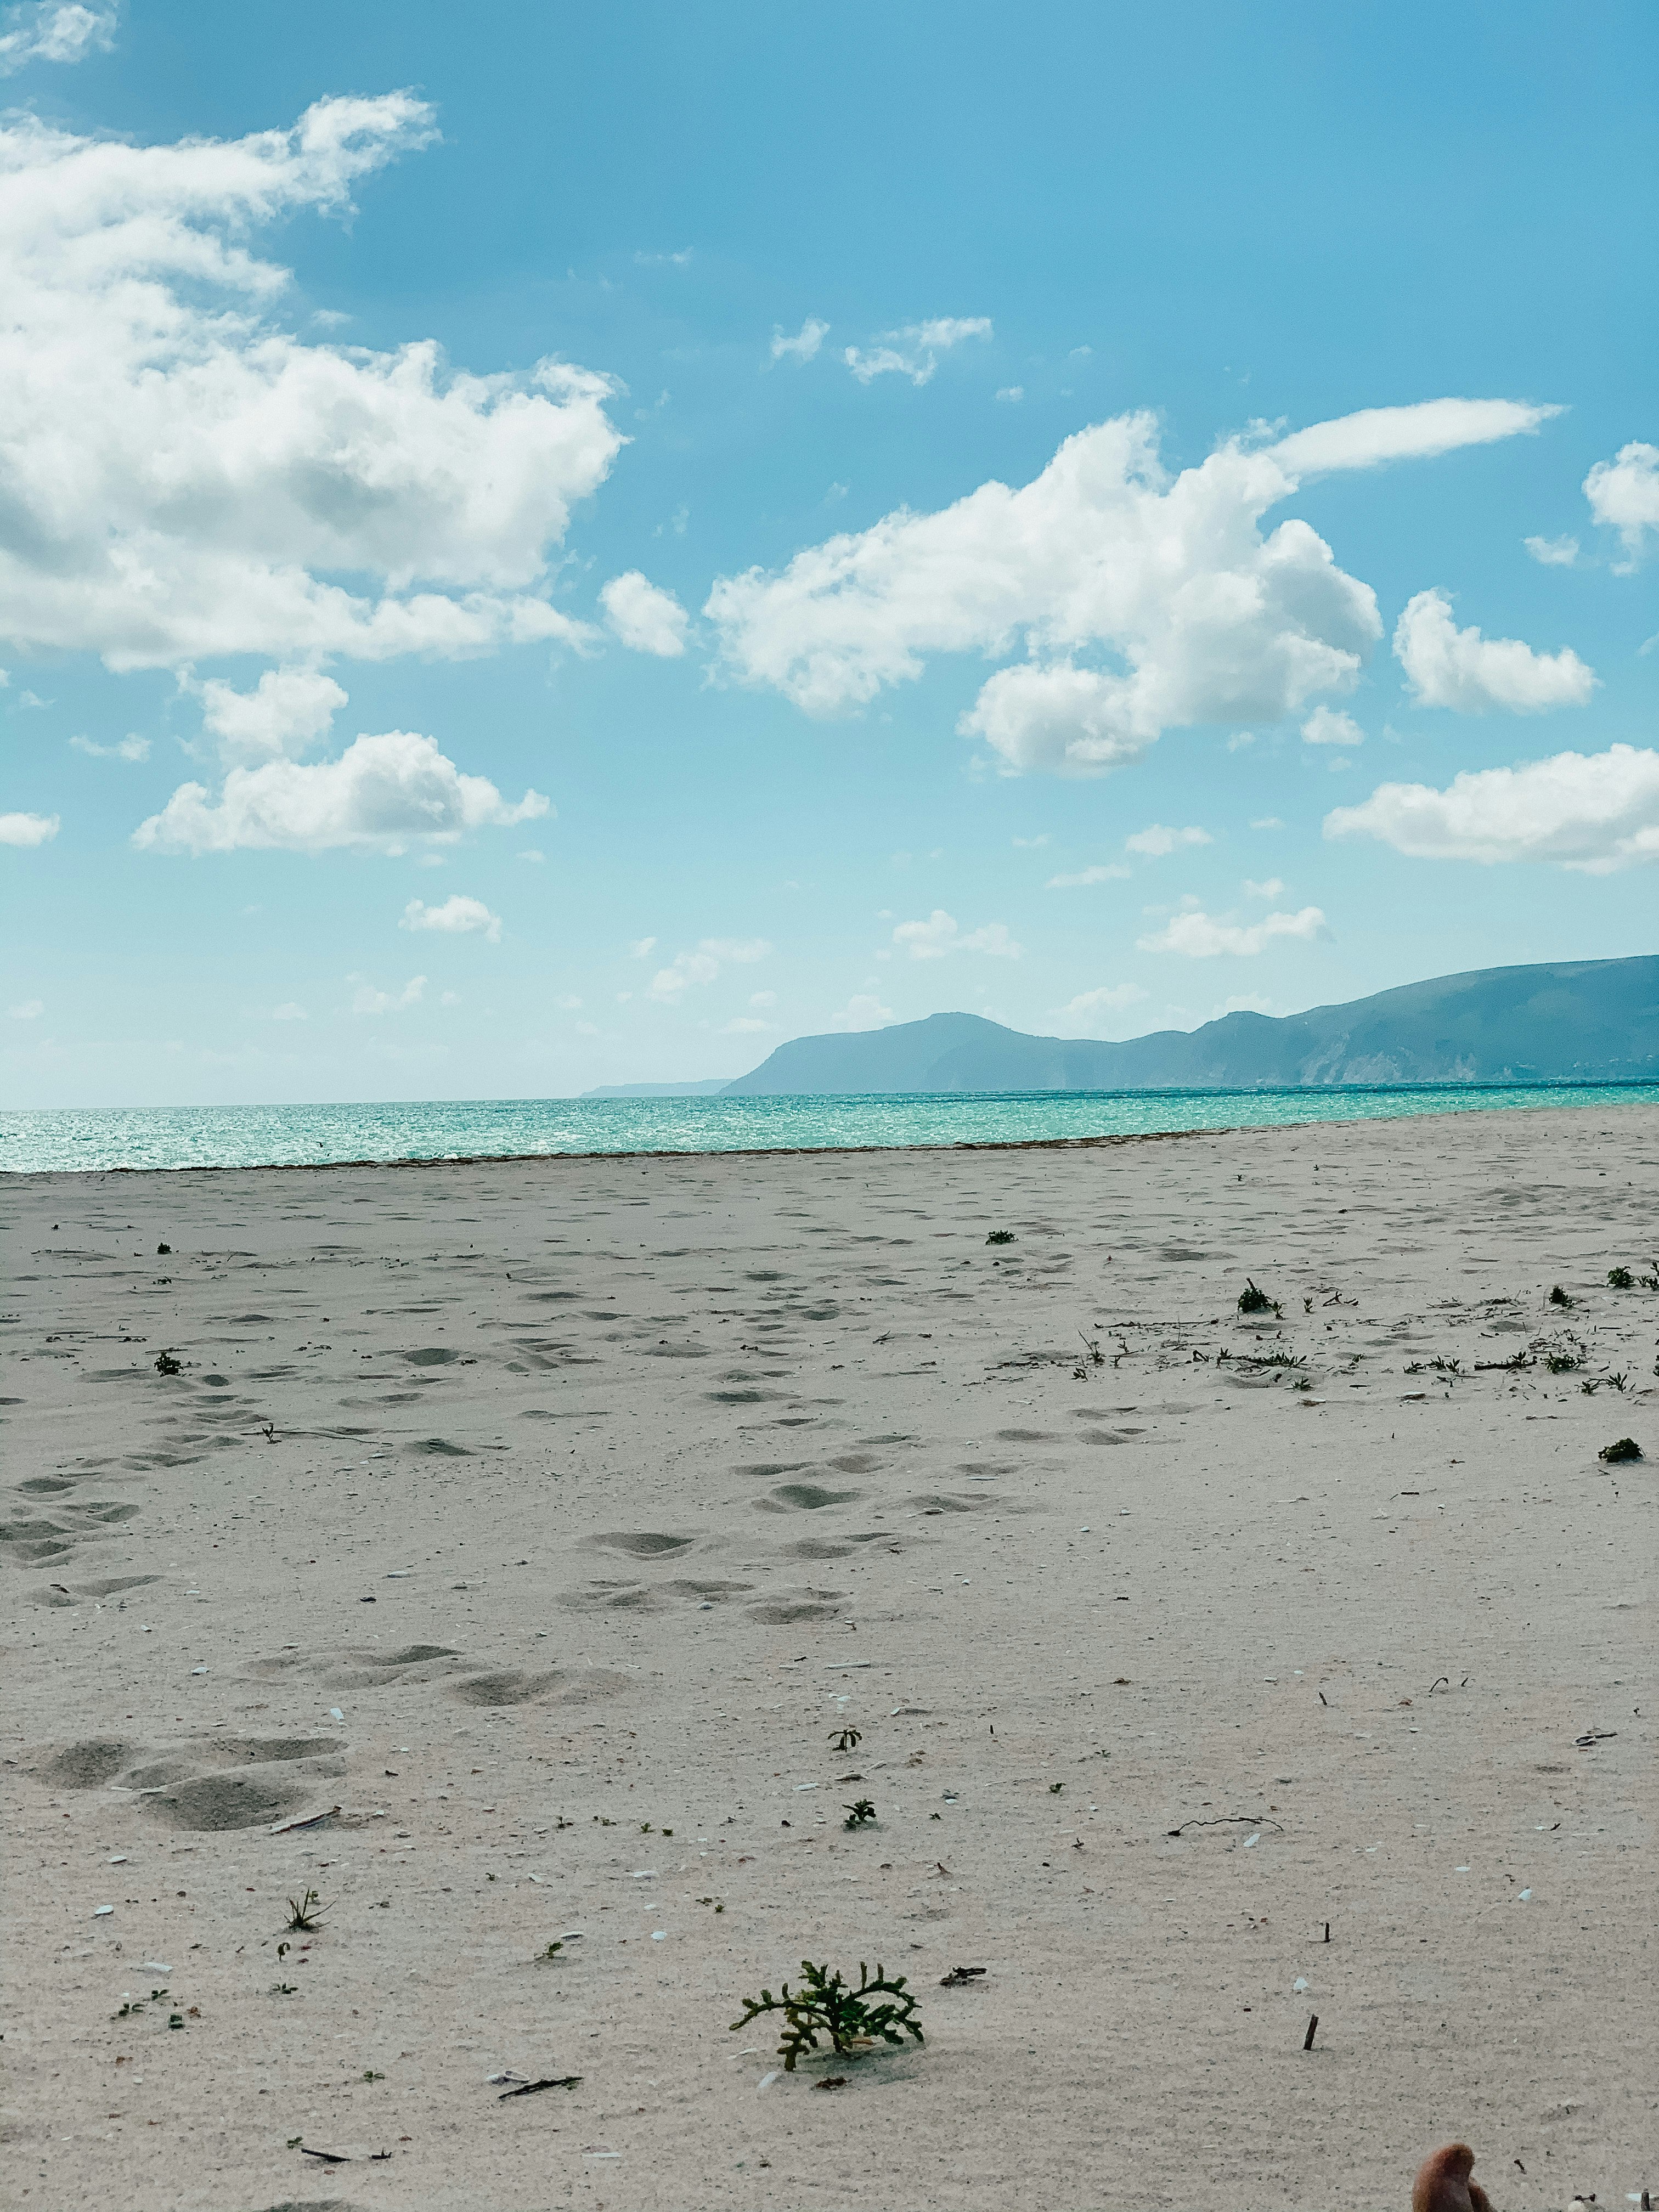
<point>827,2005</point>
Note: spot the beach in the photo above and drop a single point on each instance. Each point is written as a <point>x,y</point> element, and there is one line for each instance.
<point>552,1552</point>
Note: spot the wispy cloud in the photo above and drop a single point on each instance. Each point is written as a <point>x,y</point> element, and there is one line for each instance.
<point>804,345</point>
<point>915,350</point>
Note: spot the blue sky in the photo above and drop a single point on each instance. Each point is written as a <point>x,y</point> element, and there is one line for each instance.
<point>544,546</point>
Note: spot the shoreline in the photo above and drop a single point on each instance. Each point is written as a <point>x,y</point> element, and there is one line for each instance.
<point>9,1176</point>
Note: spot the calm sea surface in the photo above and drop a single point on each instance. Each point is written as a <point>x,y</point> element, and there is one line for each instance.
<point>315,1136</point>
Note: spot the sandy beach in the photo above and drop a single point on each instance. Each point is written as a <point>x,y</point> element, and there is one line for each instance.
<point>547,1526</point>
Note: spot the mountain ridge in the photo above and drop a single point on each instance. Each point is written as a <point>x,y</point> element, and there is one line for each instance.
<point>1585,1020</point>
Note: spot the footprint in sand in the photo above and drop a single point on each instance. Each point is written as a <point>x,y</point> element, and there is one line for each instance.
<point>204,1786</point>
<point>804,1497</point>
<point>507,1686</point>
<point>642,1544</point>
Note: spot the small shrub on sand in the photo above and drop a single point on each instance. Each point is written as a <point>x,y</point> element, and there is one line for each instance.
<point>827,2005</point>
<point>1253,1301</point>
<point>1620,1278</point>
<point>1001,1237</point>
<point>1619,1453</point>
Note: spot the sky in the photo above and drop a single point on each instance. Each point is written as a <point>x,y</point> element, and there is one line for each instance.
<point>544,546</point>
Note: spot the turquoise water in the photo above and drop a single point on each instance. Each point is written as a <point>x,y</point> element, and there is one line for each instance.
<point>79,1139</point>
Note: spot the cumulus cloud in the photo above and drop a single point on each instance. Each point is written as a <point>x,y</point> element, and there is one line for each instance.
<point>1553,552</point>
<point>1593,813</point>
<point>646,619</point>
<point>641,948</point>
<point>1168,582</point>
<point>804,345</point>
<point>1110,873</point>
<point>27,1010</point>
<point>287,710</point>
<point>130,749</point>
<point>1156,840</point>
<point>668,984</point>
<point>289,1011</point>
<point>1092,1012</point>
<point>184,478</point>
<point>384,793</point>
<point>368,1000</point>
<point>1201,937</point>
<point>56,31</point>
<point>1272,889</point>
<point>915,350</point>
<point>1326,725</point>
<point>28,829</point>
<point>1459,668</point>
<point>1171,582</point>
<point>863,1011</point>
<point>744,1025</point>
<point>762,999</point>
<point>940,934</point>
<point>1624,494</point>
<point>458,916</point>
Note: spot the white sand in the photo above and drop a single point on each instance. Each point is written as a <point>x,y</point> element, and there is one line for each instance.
<point>684,1464</point>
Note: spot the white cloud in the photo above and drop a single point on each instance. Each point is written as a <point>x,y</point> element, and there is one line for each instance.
<point>569,1004</point>
<point>1624,494</point>
<point>1091,1012</point>
<point>288,709</point>
<point>763,999</point>
<point>804,345</point>
<point>1156,840</point>
<point>1111,873</point>
<point>703,965</point>
<point>1013,393</point>
<point>1421,432</point>
<point>124,748</point>
<point>1244,1002</point>
<point>646,619</point>
<point>1553,552</point>
<point>1272,889</point>
<point>940,934</point>
<point>56,31</point>
<point>1266,822</point>
<point>28,829</point>
<point>383,793</point>
<point>686,968</point>
<point>1327,726</point>
<point>1030,844</point>
<point>289,1011</point>
<point>1459,668</point>
<point>533,853</point>
<point>862,1011</point>
<point>227,474</point>
<point>641,948</point>
<point>1101,555</point>
<point>1201,937</point>
<point>369,1000</point>
<point>458,916</point>
<point>744,1025</point>
<point>1593,813</point>
<point>27,1010</point>
<point>1071,720</point>
<point>915,350</point>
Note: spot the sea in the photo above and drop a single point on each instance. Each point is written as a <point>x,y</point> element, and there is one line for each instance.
<point>86,1139</point>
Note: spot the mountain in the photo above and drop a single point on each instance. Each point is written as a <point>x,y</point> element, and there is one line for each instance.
<point>1583,1019</point>
<point>708,1090</point>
